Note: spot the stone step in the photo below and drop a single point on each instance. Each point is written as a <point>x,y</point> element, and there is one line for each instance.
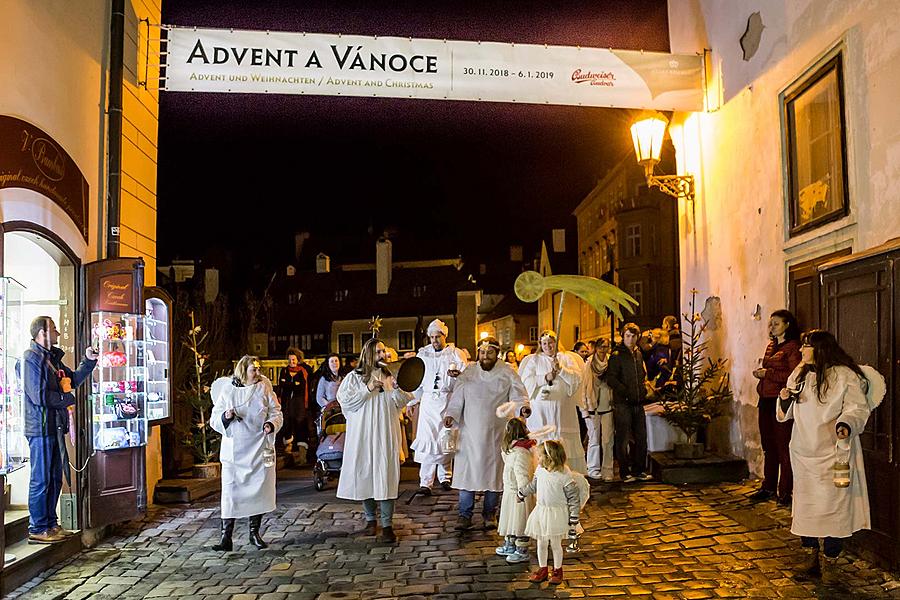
<point>711,468</point>
<point>186,490</point>
<point>32,559</point>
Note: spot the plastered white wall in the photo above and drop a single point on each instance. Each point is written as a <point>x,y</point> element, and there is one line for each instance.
<point>733,239</point>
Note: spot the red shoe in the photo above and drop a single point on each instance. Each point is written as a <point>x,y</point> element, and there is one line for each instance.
<point>539,576</point>
<point>557,576</point>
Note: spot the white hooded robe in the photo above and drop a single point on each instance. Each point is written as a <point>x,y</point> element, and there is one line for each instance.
<point>433,402</point>
<point>820,509</point>
<point>248,486</point>
<point>371,465</point>
<point>478,465</point>
<point>556,405</point>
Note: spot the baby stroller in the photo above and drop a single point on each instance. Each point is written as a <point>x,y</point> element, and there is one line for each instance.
<point>331,428</point>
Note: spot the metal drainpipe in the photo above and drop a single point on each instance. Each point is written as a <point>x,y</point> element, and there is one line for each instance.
<point>116,76</point>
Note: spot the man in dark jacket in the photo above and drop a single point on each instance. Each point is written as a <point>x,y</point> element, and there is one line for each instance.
<point>49,392</point>
<point>627,377</point>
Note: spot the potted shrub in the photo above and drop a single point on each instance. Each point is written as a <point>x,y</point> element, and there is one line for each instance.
<point>700,390</point>
<point>201,439</point>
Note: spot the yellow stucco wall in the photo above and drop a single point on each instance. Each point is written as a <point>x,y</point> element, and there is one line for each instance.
<point>140,127</point>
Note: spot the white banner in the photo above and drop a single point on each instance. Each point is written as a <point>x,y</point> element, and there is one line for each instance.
<point>263,62</point>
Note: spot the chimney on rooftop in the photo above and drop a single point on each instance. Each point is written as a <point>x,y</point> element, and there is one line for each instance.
<point>383,257</point>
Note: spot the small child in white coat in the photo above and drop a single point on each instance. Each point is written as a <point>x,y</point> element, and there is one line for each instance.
<point>560,496</point>
<point>518,471</point>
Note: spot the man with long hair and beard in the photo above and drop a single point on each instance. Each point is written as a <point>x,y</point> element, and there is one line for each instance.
<point>371,403</point>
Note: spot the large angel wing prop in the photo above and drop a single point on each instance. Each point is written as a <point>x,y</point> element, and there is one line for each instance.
<point>600,295</point>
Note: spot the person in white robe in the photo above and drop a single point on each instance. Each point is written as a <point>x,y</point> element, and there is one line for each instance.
<point>247,414</point>
<point>826,395</point>
<point>443,364</point>
<point>598,414</point>
<point>371,403</point>
<point>553,379</point>
<point>484,387</point>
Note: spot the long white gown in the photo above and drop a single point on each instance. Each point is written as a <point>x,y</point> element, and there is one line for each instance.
<point>819,508</point>
<point>371,466</point>
<point>518,471</point>
<point>432,396</point>
<point>248,486</point>
<point>556,405</point>
<point>478,466</point>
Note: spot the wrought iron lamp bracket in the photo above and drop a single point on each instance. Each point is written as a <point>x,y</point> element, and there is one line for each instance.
<point>677,186</point>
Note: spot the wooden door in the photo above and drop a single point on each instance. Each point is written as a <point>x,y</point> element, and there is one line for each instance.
<point>860,306</point>
<point>116,487</point>
<point>804,290</point>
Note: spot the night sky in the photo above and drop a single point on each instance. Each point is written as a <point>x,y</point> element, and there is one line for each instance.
<point>246,172</point>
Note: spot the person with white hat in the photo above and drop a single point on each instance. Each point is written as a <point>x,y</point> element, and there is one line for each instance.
<point>443,364</point>
<point>484,398</point>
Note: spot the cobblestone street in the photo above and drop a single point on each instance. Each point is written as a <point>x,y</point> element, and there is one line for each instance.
<point>647,540</point>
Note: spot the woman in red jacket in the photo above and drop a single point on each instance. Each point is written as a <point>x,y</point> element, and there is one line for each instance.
<point>782,356</point>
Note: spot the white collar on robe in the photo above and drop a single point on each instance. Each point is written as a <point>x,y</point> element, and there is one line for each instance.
<point>430,351</point>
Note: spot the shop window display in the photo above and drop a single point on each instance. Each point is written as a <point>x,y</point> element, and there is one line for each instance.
<point>156,342</point>
<point>13,450</point>
<point>118,390</point>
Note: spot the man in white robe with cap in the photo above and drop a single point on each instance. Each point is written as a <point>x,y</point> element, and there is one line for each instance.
<point>443,364</point>
<point>485,387</point>
<point>553,379</point>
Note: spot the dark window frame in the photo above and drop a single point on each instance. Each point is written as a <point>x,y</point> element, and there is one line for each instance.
<point>834,64</point>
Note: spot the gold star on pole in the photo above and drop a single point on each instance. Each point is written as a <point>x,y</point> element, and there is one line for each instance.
<point>375,325</point>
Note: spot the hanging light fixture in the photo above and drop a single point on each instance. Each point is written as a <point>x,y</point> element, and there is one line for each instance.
<point>647,134</point>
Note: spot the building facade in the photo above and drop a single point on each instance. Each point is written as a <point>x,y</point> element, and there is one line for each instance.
<point>796,164</point>
<point>330,309</point>
<point>61,158</point>
<point>627,236</point>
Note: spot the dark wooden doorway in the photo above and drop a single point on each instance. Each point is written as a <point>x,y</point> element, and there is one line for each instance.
<point>861,306</point>
<point>805,290</point>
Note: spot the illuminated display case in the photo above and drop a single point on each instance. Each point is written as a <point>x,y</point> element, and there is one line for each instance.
<point>158,354</point>
<point>119,383</point>
<point>13,447</point>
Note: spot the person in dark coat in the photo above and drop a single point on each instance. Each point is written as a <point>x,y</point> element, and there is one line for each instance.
<point>49,392</point>
<point>627,378</point>
<point>293,393</point>
<point>781,358</point>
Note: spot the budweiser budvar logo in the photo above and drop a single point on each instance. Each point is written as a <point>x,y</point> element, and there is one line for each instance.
<point>604,78</point>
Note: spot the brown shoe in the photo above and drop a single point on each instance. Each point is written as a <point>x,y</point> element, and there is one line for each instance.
<point>45,537</point>
<point>557,576</point>
<point>387,536</point>
<point>539,576</point>
<point>830,573</point>
<point>61,532</point>
<point>371,528</point>
<point>809,567</point>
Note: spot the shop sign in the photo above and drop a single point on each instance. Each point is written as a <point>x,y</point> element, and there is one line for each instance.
<point>263,62</point>
<point>116,293</point>
<point>31,159</point>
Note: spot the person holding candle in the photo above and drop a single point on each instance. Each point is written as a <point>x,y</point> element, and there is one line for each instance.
<point>443,364</point>
<point>487,387</point>
<point>246,413</point>
<point>829,397</point>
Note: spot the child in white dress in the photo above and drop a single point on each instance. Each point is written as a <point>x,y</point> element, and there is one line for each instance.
<point>518,471</point>
<point>560,496</point>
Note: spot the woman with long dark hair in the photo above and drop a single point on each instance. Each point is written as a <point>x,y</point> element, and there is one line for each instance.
<point>329,378</point>
<point>781,358</point>
<point>829,397</point>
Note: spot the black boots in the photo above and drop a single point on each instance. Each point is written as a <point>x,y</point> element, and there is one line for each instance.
<point>225,543</point>
<point>257,541</point>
